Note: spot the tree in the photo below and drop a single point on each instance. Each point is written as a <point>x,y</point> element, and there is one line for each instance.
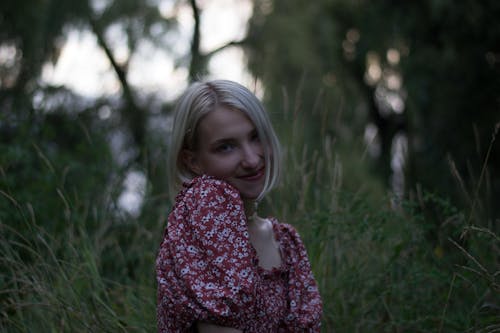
<point>427,69</point>
<point>26,47</point>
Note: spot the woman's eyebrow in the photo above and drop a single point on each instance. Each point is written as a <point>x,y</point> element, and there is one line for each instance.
<point>221,140</point>
<point>227,139</point>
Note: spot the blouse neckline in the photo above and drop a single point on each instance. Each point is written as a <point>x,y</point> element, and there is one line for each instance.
<point>276,270</point>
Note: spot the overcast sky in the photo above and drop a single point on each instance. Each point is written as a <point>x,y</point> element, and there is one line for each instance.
<point>83,66</point>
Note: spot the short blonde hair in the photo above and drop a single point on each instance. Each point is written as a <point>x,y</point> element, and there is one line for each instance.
<point>201,98</point>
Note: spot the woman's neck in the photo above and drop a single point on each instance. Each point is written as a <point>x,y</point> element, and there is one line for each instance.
<point>250,209</point>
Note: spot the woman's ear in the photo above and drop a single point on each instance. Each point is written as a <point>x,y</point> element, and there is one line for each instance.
<point>190,160</point>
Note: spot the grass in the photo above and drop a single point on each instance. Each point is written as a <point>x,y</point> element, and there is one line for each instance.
<point>57,285</point>
<point>378,269</point>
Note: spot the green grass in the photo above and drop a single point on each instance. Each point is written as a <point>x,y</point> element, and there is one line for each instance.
<point>61,284</point>
<point>382,268</point>
<point>81,267</point>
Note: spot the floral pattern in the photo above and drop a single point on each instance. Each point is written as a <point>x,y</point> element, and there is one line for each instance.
<point>207,270</point>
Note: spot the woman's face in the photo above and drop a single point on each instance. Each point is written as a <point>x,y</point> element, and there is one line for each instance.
<point>229,148</point>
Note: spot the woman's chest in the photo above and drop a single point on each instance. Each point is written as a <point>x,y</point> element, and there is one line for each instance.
<point>266,244</point>
<point>272,301</point>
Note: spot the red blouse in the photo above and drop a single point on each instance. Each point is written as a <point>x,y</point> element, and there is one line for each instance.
<point>207,270</point>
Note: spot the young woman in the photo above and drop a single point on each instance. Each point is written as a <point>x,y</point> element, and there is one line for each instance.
<point>220,266</point>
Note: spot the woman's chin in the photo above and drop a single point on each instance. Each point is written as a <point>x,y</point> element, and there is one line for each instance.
<point>250,195</point>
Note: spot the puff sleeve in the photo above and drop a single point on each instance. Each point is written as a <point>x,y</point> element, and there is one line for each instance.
<point>204,268</point>
<point>305,305</point>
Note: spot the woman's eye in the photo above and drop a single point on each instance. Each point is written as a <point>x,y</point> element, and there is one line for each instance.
<point>225,147</point>
<point>255,137</point>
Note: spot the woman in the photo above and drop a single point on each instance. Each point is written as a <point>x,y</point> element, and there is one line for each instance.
<point>220,266</point>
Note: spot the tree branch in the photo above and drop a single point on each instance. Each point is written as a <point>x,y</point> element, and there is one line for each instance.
<point>132,112</point>
<point>240,42</point>
<point>199,60</point>
<point>120,72</point>
<point>196,65</point>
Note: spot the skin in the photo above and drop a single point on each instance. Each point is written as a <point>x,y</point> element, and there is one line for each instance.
<point>229,148</point>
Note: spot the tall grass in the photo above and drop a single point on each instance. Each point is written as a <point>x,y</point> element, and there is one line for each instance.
<point>386,270</point>
<point>379,270</point>
<point>59,283</point>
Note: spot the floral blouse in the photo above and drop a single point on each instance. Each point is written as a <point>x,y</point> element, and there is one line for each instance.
<point>208,271</point>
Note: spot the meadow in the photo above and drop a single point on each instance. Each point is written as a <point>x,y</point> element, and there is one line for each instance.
<point>71,262</point>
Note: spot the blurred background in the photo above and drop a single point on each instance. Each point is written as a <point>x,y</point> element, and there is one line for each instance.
<point>388,112</point>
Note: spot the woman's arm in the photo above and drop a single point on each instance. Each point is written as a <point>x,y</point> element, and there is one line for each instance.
<point>210,328</point>
<point>207,269</point>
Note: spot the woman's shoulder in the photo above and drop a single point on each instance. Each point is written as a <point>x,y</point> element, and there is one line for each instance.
<point>288,235</point>
<point>284,228</point>
<point>207,188</point>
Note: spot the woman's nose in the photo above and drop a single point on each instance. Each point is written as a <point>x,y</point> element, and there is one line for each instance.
<point>251,156</point>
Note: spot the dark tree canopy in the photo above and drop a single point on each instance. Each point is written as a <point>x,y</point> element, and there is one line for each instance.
<point>444,54</point>
<point>417,80</point>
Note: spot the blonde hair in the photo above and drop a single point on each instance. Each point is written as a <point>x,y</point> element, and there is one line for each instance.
<point>201,98</point>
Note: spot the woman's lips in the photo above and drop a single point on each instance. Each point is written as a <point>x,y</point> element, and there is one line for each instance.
<point>253,176</point>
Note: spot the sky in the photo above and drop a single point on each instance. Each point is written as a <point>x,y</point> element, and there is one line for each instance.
<point>84,68</point>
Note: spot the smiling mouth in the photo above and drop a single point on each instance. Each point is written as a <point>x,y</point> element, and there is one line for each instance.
<point>254,175</point>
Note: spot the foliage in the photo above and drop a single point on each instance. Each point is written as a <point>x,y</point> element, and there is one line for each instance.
<point>383,268</point>
<point>377,268</point>
<point>68,260</point>
<point>31,45</point>
<point>434,60</point>
<point>71,260</point>
<point>58,284</point>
